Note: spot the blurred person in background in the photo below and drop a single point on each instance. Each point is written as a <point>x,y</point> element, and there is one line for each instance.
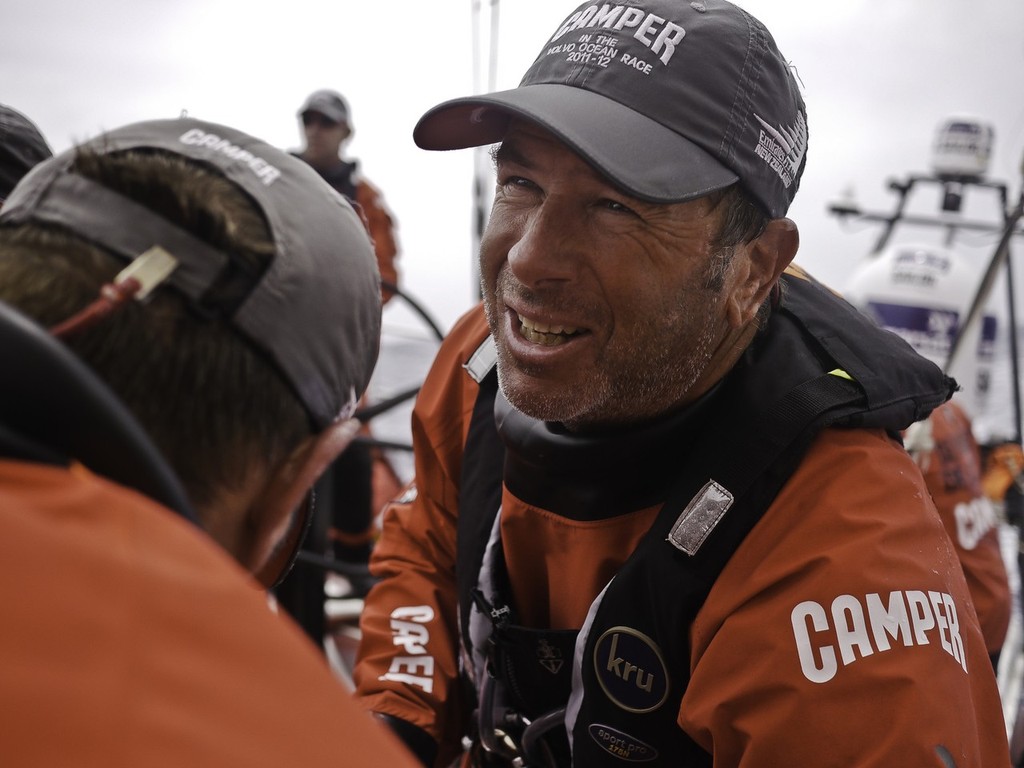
<point>362,479</point>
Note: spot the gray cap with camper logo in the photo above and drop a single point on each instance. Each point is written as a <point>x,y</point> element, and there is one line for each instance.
<point>669,99</point>
<point>315,311</point>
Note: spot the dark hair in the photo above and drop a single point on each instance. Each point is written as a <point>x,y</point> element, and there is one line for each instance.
<point>213,404</point>
<point>742,220</point>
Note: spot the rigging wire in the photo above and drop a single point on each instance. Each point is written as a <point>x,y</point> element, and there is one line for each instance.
<point>482,81</point>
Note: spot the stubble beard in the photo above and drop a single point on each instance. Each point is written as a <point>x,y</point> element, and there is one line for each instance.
<point>661,376</point>
<point>646,381</point>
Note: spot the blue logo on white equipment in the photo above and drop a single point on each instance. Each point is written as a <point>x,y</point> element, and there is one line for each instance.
<point>631,670</point>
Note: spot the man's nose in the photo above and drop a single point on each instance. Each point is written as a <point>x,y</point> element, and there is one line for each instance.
<point>549,246</point>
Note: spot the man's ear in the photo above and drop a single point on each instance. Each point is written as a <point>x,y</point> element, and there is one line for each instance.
<point>274,529</point>
<point>764,259</point>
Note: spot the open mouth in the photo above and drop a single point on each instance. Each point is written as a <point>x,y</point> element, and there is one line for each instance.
<point>546,335</point>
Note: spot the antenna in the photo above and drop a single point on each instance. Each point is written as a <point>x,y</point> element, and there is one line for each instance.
<point>482,180</point>
<point>961,153</point>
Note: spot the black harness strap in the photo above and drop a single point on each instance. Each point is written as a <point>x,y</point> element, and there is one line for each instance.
<point>479,494</point>
<point>20,448</point>
<point>643,622</point>
<point>51,399</point>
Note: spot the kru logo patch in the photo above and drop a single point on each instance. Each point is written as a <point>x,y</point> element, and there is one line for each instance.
<point>622,745</point>
<point>630,670</point>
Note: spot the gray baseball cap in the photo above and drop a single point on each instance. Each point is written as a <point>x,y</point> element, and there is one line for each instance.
<point>315,311</point>
<point>668,99</point>
<point>21,147</point>
<point>330,104</point>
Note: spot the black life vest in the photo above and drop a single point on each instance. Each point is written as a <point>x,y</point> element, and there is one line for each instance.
<point>55,409</point>
<point>818,364</point>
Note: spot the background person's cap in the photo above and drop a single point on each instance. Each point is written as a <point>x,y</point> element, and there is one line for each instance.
<point>669,99</point>
<point>22,146</point>
<point>328,103</point>
<point>315,311</point>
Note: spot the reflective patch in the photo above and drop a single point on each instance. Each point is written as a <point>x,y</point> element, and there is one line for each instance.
<point>408,495</point>
<point>700,517</point>
<point>622,745</point>
<point>482,360</point>
<point>630,669</point>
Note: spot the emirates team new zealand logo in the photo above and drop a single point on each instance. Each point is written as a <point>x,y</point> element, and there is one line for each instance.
<point>630,669</point>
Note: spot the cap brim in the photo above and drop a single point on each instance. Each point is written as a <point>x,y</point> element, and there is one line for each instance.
<point>330,114</point>
<point>643,157</point>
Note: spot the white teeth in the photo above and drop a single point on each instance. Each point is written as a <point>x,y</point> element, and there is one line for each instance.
<point>546,335</point>
<point>542,328</point>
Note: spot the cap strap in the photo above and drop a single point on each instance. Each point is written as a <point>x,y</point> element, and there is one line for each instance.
<point>112,221</point>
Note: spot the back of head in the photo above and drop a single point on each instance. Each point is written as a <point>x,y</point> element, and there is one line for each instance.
<point>266,329</point>
<point>669,100</point>
<point>22,146</point>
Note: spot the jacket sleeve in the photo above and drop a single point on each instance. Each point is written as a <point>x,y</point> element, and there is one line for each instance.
<point>381,226</point>
<point>408,659</point>
<point>841,632</point>
<point>951,464</point>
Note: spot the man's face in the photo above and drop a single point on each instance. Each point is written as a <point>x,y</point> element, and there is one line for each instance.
<point>323,138</point>
<point>606,309</point>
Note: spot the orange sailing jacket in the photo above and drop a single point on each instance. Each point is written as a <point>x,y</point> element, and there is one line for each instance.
<point>131,639</point>
<point>839,633</point>
<point>950,460</point>
<point>373,210</point>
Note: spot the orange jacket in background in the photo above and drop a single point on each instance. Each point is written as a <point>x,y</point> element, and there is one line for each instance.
<point>945,449</point>
<point>381,226</point>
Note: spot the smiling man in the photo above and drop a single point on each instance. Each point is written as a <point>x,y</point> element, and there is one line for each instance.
<point>661,512</point>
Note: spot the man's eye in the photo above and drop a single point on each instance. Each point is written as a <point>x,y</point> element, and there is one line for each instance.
<point>615,205</point>
<point>517,181</point>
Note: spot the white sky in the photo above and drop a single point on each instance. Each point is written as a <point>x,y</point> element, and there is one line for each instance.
<point>878,79</point>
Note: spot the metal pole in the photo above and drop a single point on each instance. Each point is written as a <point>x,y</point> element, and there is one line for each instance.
<point>886,233</point>
<point>1014,349</point>
<point>999,259</point>
<point>477,213</point>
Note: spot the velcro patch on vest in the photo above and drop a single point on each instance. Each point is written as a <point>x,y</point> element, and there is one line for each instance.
<point>483,360</point>
<point>700,517</point>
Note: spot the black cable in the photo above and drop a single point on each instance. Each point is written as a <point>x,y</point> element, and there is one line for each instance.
<point>387,445</point>
<point>356,570</point>
<point>416,306</point>
<point>370,411</point>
